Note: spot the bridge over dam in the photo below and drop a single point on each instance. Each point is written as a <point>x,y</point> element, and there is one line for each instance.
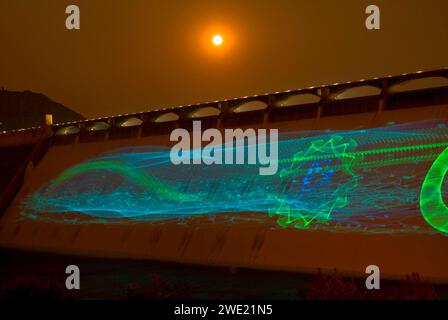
<point>360,181</point>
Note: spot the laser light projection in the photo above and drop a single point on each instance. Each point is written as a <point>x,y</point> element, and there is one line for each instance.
<point>382,180</point>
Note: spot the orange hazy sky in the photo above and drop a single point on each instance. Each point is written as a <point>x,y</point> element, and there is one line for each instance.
<point>139,55</point>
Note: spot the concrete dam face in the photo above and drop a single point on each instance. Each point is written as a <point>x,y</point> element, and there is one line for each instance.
<point>348,190</point>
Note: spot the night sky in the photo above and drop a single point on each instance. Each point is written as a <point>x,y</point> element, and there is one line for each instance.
<point>137,55</point>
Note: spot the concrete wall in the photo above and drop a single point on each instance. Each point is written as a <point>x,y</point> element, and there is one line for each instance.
<point>255,245</point>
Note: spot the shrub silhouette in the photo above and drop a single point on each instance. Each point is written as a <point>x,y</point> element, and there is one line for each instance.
<point>32,288</point>
<point>336,287</point>
<point>158,289</point>
<point>333,287</point>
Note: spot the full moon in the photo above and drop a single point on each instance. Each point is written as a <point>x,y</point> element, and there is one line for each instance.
<point>217,40</point>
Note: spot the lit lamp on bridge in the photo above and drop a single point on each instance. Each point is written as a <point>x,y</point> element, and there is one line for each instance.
<point>48,119</point>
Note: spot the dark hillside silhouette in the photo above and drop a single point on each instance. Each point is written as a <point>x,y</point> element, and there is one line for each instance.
<point>26,109</point>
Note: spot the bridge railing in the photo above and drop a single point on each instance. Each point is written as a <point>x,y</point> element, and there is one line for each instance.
<point>411,90</point>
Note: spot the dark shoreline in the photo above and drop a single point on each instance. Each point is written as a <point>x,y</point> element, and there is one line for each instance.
<point>108,278</point>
